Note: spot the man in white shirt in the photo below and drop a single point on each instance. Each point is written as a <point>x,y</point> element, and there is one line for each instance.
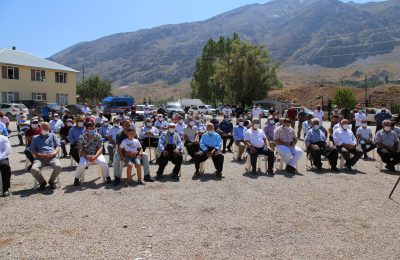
<point>112,139</point>
<point>180,125</point>
<point>56,124</point>
<point>227,111</point>
<point>5,169</point>
<point>257,143</point>
<point>346,144</point>
<point>319,114</point>
<point>359,117</point>
<point>85,109</point>
<point>364,138</point>
<point>256,112</point>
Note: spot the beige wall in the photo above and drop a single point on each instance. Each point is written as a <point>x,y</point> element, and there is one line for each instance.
<point>25,86</point>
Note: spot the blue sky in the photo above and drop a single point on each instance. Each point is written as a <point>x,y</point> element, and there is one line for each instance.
<point>44,27</point>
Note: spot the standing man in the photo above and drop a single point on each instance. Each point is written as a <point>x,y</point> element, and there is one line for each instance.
<point>319,114</point>
<point>317,145</point>
<point>170,147</point>
<point>45,148</point>
<point>292,114</point>
<point>146,111</point>
<point>346,143</point>
<point>302,116</point>
<point>257,143</point>
<point>214,121</point>
<point>227,111</point>
<point>239,110</point>
<point>210,146</point>
<point>256,112</point>
<point>5,169</point>
<point>90,147</point>
<point>364,138</point>
<point>380,116</point>
<point>225,130</point>
<point>285,140</point>
<point>359,116</point>
<point>133,113</point>
<point>238,137</point>
<point>46,112</point>
<point>99,109</point>
<point>387,142</point>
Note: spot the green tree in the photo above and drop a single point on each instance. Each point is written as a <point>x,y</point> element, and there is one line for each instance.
<point>344,97</point>
<point>92,90</point>
<point>231,70</point>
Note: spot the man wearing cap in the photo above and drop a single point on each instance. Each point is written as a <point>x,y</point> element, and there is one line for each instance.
<point>387,142</point>
<point>55,124</point>
<point>346,143</point>
<point>238,137</point>
<point>64,131</point>
<point>285,140</point>
<point>33,130</point>
<point>90,147</point>
<point>5,169</point>
<point>257,143</point>
<point>225,130</point>
<point>170,148</point>
<point>149,135</point>
<point>45,148</point>
<point>365,138</point>
<point>73,136</point>
<point>144,159</point>
<point>112,139</point>
<point>210,146</point>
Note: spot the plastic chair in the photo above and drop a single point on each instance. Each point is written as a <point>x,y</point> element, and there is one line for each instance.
<point>203,167</point>
<point>380,164</point>
<point>259,161</point>
<point>35,182</point>
<point>82,179</point>
<point>281,161</point>
<point>184,153</point>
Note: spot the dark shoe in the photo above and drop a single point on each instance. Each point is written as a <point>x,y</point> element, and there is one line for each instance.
<point>224,151</point>
<point>148,178</point>
<point>271,171</point>
<point>348,167</point>
<point>229,149</point>
<point>219,175</point>
<point>108,180</point>
<point>191,160</point>
<point>175,177</point>
<point>335,169</point>
<point>390,168</point>
<point>30,167</point>
<point>52,185</point>
<point>116,181</point>
<point>76,182</point>
<point>253,172</point>
<point>6,193</point>
<point>290,169</point>
<point>366,156</point>
<point>42,186</point>
<point>110,164</point>
<point>159,176</point>
<point>87,167</point>
<point>140,182</point>
<point>319,169</point>
<point>196,175</point>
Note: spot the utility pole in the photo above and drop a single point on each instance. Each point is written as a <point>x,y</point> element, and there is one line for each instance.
<point>229,77</point>
<point>83,73</point>
<point>366,91</point>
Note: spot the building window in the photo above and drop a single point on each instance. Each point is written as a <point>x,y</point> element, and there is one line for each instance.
<point>8,97</point>
<point>61,77</point>
<point>9,72</point>
<point>38,96</point>
<point>62,99</point>
<point>38,75</point>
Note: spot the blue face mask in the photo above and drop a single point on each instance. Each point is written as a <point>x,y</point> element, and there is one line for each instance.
<point>91,132</point>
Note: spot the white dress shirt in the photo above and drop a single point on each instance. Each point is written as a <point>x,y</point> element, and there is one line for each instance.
<point>341,136</point>
<point>5,147</point>
<point>359,117</point>
<point>319,115</point>
<point>255,137</point>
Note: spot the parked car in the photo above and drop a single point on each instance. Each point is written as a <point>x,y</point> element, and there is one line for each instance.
<point>13,109</point>
<point>174,108</point>
<point>370,114</point>
<point>193,110</point>
<point>74,108</point>
<point>31,104</point>
<point>140,111</point>
<point>206,109</point>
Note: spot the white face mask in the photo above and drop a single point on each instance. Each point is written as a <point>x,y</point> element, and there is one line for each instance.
<point>364,125</point>
<point>56,118</point>
<point>149,124</point>
<point>45,132</point>
<point>387,128</point>
<point>191,123</point>
<point>160,119</point>
<point>171,130</point>
<point>272,121</point>
<point>181,121</point>
<point>345,127</point>
<point>34,126</point>
<point>69,124</point>
<point>256,126</point>
<point>211,132</point>
<point>80,124</point>
<point>241,123</point>
<point>316,127</point>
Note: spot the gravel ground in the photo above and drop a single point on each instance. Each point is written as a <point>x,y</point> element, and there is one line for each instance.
<point>304,216</point>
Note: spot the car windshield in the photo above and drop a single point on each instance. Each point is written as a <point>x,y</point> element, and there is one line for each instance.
<point>174,106</point>
<point>20,106</point>
<point>139,108</point>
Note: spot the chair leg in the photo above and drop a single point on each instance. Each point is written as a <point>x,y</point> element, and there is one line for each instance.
<point>202,167</point>
<point>26,164</point>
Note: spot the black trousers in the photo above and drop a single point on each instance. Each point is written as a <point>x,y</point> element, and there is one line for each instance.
<point>192,148</point>
<point>29,155</point>
<point>388,157</point>
<point>328,151</point>
<point>172,157</point>
<point>145,142</point>
<point>366,149</point>
<point>350,160</point>
<point>224,139</point>
<point>74,152</point>
<point>5,170</point>
<point>64,142</point>
<point>217,158</point>
<point>265,151</point>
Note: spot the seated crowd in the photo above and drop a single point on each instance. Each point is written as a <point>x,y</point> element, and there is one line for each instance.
<point>175,138</point>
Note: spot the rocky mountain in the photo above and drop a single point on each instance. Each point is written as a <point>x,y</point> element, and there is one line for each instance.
<point>329,33</point>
